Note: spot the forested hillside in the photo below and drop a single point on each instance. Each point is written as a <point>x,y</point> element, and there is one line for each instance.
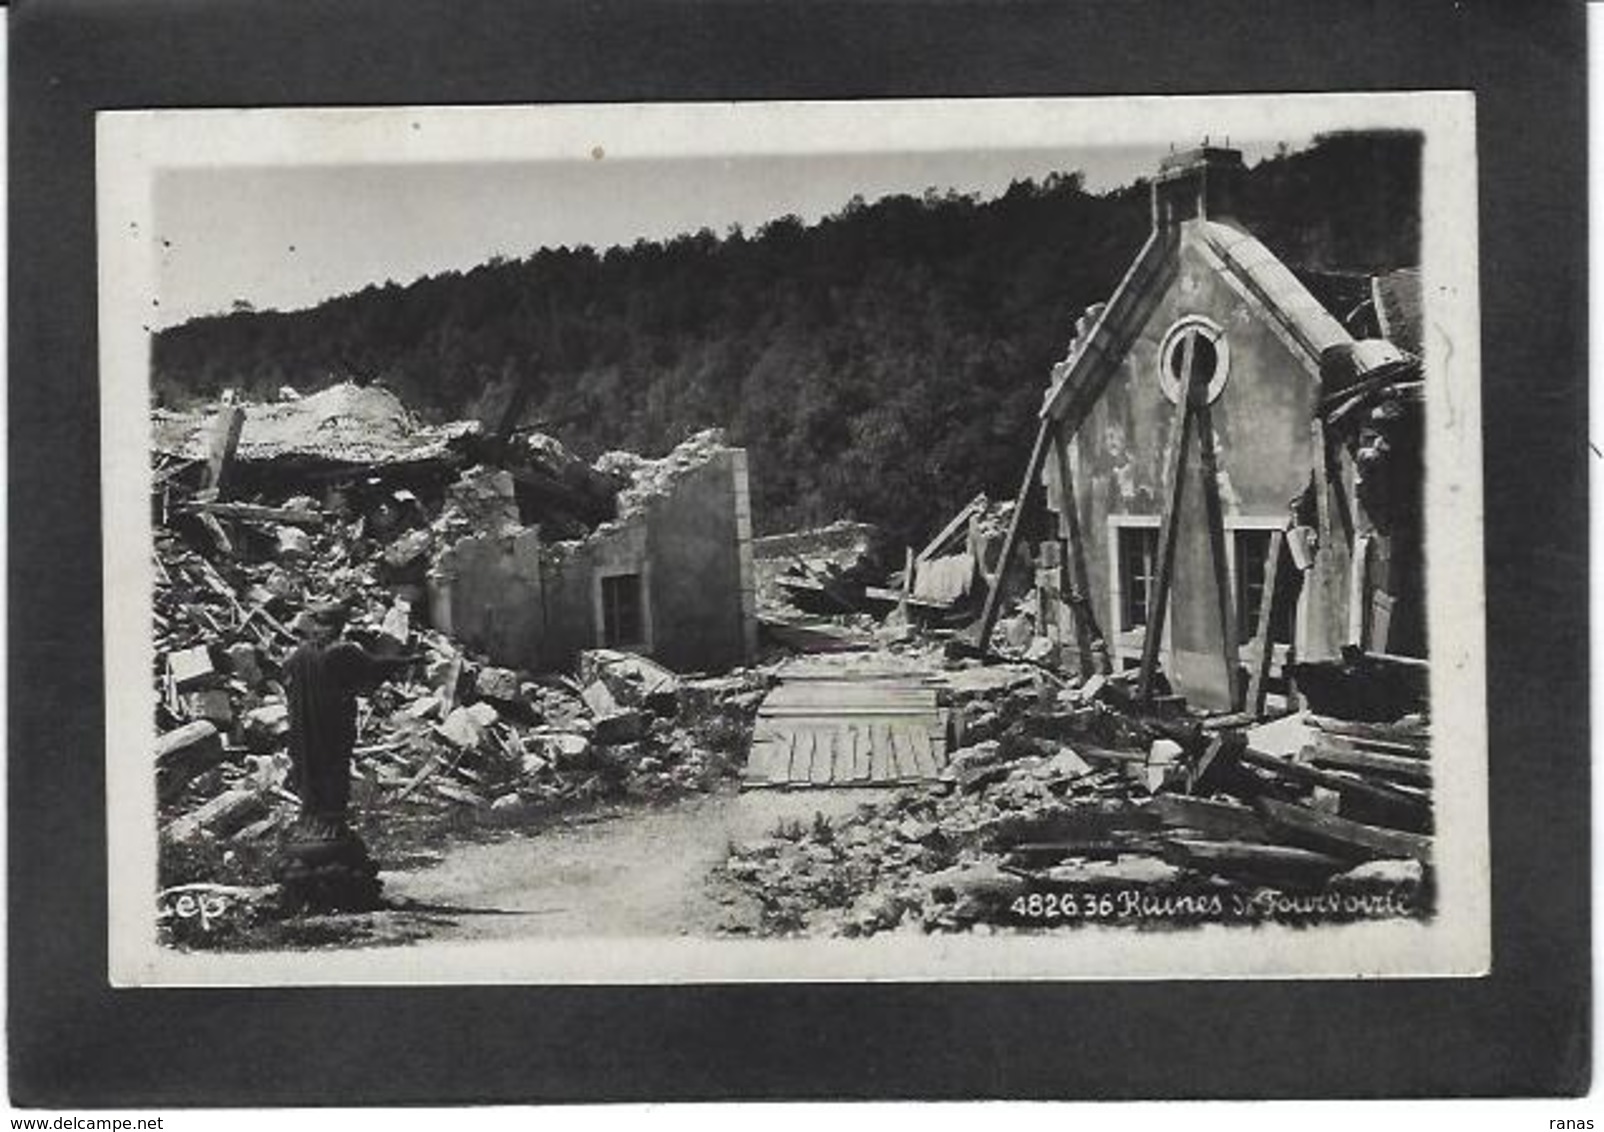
<point>884,364</point>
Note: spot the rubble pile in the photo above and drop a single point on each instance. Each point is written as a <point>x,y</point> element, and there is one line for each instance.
<point>1065,804</point>
<point>841,575</point>
<point>454,734</point>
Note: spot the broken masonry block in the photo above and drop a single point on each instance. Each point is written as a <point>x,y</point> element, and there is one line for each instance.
<point>190,668</point>
<point>465,726</point>
<point>294,541</point>
<point>184,753</point>
<point>397,623</point>
<point>619,728</point>
<point>444,674</point>
<point>245,662</point>
<point>211,704</point>
<point>411,549</point>
<point>600,700</point>
<point>567,750</point>
<point>265,727</point>
<point>498,684</point>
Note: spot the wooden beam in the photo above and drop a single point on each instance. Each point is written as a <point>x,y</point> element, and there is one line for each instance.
<point>1250,857</point>
<point>1391,803</point>
<point>1215,819</point>
<point>1266,645</point>
<point>959,521</point>
<point>1402,767</point>
<point>220,454</point>
<point>254,513</point>
<point>1038,454</point>
<point>1214,518</point>
<point>1158,607</point>
<point>1074,586</point>
<point>1330,831</point>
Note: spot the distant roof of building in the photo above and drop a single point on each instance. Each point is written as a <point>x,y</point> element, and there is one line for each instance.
<point>1397,296</point>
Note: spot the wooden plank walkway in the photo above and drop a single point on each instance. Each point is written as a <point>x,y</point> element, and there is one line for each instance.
<point>852,731</point>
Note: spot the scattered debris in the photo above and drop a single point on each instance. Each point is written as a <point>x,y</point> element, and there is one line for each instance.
<point>318,512</point>
<point>1069,788</point>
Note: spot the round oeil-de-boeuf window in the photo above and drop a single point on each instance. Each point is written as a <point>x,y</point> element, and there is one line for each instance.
<point>1202,342</point>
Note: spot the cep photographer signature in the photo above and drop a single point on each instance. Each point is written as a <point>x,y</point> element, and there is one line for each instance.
<point>205,904</point>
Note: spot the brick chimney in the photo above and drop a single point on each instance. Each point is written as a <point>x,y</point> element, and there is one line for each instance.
<point>1199,184</point>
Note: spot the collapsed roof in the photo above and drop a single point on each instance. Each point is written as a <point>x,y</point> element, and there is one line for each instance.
<point>345,424</point>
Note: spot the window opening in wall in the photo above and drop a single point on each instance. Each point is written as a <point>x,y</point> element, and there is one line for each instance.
<point>622,622</point>
<point>1252,552</point>
<point>1138,558</point>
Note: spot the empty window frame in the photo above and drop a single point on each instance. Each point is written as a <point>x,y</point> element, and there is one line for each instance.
<point>1250,552</point>
<point>1138,574</point>
<point>623,611</point>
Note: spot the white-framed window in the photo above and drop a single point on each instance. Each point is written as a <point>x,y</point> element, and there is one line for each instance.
<point>1247,545</point>
<point>1138,569</point>
<point>1133,580</point>
<point>1133,577</point>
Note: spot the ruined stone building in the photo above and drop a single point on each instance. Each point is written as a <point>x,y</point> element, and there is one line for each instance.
<point>521,551</point>
<point>670,577</point>
<point>1304,429</point>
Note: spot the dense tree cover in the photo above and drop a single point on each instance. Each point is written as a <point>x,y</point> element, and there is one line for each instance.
<point>883,364</point>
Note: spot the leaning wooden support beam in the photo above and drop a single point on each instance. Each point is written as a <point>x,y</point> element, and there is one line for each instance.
<point>1265,643</point>
<point>1214,527</point>
<point>952,529</point>
<point>1074,584</point>
<point>1038,455</point>
<point>1159,605</point>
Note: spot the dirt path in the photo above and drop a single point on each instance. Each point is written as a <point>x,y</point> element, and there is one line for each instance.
<point>643,872</point>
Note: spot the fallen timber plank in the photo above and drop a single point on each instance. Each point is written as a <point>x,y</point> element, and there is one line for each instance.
<point>1227,821</point>
<point>1413,736</point>
<point>1342,835</point>
<point>1414,751</point>
<point>1030,853</point>
<point>1413,770</point>
<point>1250,857</point>
<point>1392,800</point>
<point>952,529</point>
<point>896,597</point>
<point>252,512</point>
<point>1109,754</point>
